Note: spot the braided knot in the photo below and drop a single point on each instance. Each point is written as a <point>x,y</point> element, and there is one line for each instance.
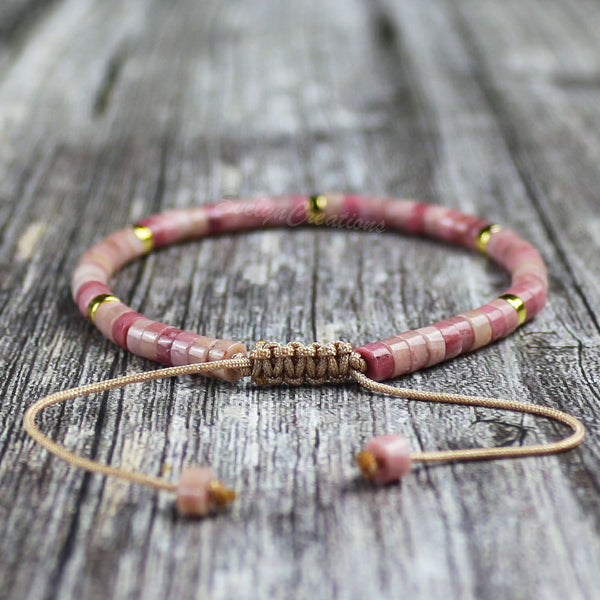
<point>294,363</point>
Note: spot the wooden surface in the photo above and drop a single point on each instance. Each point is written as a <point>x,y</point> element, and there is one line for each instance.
<point>112,110</point>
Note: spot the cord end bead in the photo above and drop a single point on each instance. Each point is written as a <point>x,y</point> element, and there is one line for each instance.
<point>386,458</point>
<point>200,493</point>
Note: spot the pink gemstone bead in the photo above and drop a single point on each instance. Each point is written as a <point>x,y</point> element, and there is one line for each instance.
<point>87,292</point>
<point>164,343</point>
<point>193,491</point>
<point>482,329</point>
<point>436,345</point>
<point>496,318</point>
<point>380,360</point>
<point>401,353</point>
<point>107,314</point>
<point>417,344</point>
<point>392,454</point>
<point>452,338</point>
<point>398,214</point>
<point>121,326</point>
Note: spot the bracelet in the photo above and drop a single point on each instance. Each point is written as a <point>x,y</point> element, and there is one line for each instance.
<point>385,458</point>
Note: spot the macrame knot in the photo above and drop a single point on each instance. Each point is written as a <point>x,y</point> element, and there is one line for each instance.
<point>295,364</point>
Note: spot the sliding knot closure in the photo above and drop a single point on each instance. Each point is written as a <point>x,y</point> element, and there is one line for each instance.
<point>296,364</point>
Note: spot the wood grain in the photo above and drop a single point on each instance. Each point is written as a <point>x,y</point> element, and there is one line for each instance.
<point>113,110</point>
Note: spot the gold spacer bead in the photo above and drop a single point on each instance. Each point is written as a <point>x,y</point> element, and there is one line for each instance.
<point>97,302</point>
<point>219,494</point>
<point>484,236</point>
<point>518,304</point>
<point>367,463</point>
<point>144,234</point>
<point>316,206</point>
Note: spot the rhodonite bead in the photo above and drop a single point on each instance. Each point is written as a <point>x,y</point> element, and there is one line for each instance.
<point>417,344</point>
<point>106,315</point>
<point>385,459</point>
<point>200,493</point>
<point>401,353</point>
<point>436,345</point>
<point>380,360</point>
<point>453,337</point>
<point>121,327</point>
<point>87,292</point>
<point>482,328</point>
<point>193,492</point>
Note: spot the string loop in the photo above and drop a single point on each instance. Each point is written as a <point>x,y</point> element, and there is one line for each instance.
<point>270,363</point>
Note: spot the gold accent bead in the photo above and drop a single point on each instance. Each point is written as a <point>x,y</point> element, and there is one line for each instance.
<point>518,304</point>
<point>144,234</point>
<point>367,463</point>
<point>316,206</point>
<point>484,236</point>
<point>219,494</point>
<point>97,302</point>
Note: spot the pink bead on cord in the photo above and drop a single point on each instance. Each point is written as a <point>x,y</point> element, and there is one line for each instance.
<point>397,355</point>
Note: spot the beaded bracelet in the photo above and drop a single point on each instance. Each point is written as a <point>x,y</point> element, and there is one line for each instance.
<point>385,458</point>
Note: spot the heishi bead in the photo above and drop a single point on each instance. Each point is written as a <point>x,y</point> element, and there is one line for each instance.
<point>497,320</point>
<point>392,456</point>
<point>169,227</point>
<point>87,292</point>
<point>530,269</point>
<point>360,210</point>
<point>180,347</point>
<point>524,253</point>
<point>164,344</point>
<point>222,350</point>
<point>272,212</point>
<point>149,339</point>
<point>466,331</point>
<point>333,208</point>
<point>379,359</point>
<point>106,315</point>
<point>96,257</point>
<point>511,317</point>
<point>454,227</point>
<point>121,327</point>
<point>436,345</point>
<point>453,337</point>
<point>193,492</point>
<point>238,216</point>
<point>482,329</point>
<point>416,220</point>
<point>86,272</point>
<point>419,353</point>
<point>398,214</point>
<point>533,293</point>
<point>197,222</point>
<point>127,247</point>
<point>402,357</point>
<point>134,335</point>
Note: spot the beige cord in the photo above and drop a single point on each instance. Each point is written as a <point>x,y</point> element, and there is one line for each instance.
<point>270,363</point>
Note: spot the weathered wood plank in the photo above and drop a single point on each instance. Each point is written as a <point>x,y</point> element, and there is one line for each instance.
<point>113,110</point>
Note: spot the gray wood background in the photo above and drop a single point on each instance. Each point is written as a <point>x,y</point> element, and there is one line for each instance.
<point>113,110</point>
